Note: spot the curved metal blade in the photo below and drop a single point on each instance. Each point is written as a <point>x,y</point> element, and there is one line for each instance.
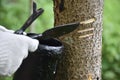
<point>60,30</point>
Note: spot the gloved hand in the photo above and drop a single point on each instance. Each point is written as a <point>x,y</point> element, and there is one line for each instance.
<point>13,49</point>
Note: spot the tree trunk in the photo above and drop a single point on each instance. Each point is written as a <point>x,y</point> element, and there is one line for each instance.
<point>82,56</point>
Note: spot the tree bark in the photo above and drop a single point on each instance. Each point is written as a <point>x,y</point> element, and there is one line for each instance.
<point>82,56</point>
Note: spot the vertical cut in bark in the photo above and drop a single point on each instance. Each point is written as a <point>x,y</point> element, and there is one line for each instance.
<point>82,55</point>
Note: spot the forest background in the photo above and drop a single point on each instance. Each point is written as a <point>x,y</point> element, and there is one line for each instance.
<point>13,13</point>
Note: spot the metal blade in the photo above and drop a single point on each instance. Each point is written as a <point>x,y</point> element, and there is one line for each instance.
<point>60,30</point>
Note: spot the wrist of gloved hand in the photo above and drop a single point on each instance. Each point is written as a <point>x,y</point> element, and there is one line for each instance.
<point>13,49</point>
<point>33,42</point>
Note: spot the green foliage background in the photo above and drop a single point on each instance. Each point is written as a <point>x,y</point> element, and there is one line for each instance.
<point>13,13</point>
<point>111,40</point>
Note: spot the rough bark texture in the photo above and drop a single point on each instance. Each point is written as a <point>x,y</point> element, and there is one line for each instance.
<point>82,56</point>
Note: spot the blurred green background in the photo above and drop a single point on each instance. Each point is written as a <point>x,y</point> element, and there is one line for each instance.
<point>13,13</point>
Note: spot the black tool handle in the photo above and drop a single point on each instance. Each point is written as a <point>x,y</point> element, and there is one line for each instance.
<point>29,21</point>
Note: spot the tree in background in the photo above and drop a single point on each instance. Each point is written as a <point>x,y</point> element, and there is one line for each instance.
<point>82,56</point>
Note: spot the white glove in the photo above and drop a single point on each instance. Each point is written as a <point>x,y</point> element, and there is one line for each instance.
<point>13,49</point>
